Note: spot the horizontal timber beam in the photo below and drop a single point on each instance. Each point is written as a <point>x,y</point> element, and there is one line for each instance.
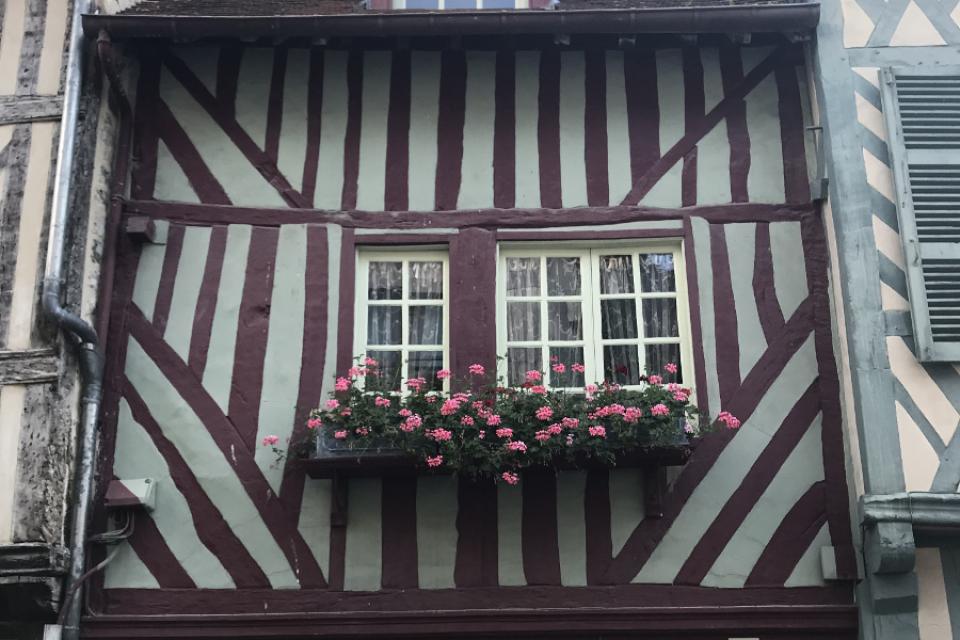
<point>30,366</point>
<point>209,214</point>
<point>18,109</point>
<point>925,511</point>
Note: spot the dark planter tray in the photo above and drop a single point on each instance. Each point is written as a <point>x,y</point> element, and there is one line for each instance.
<point>342,463</point>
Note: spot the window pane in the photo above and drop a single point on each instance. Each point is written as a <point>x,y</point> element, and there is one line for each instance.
<point>423,4</point>
<point>565,321</point>
<point>426,280</point>
<point>425,364</point>
<point>660,318</point>
<point>523,321</point>
<point>385,281</point>
<point>383,324</point>
<point>523,276</point>
<point>659,355</point>
<point>621,364</point>
<point>426,325</point>
<point>656,272</point>
<point>460,4</point>
<point>388,378</point>
<point>618,319</point>
<point>567,356</point>
<point>616,274</point>
<point>563,276</point>
<point>520,360</point>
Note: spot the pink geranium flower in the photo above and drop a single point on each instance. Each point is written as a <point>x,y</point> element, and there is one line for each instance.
<point>434,461</point>
<point>591,388</point>
<point>340,435</point>
<point>443,374</point>
<point>342,384</point>
<point>577,367</point>
<point>559,367</point>
<point>728,419</point>
<point>544,413</point>
<point>660,410</point>
<point>555,429</point>
<point>449,407</point>
<point>542,436</point>
<point>411,423</point>
<point>517,445</point>
<point>439,435</point>
<point>269,441</point>
<point>510,477</point>
<point>333,403</point>
<point>539,389</point>
<point>670,367</point>
<point>467,421</point>
<point>504,432</point>
<point>571,423</point>
<point>493,420</point>
<point>362,431</point>
<point>370,362</point>
<point>405,413</point>
<point>632,414</point>
<point>313,423</point>
<point>654,379</point>
<point>380,401</point>
<point>477,369</point>
<point>533,375</point>
<point>597,431</point>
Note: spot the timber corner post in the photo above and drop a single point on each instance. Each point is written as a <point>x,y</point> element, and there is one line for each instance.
<point>888,594</point>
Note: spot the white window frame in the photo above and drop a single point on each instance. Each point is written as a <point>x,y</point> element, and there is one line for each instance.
<point>593,342</point>
<point>404,255</point>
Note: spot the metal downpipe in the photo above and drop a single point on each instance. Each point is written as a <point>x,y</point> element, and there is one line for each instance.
<point>75,328</point>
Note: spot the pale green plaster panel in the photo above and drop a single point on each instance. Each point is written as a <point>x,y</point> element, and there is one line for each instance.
<point>573,168</point>
<point>436,531</point>
<point>803,468</point>
<point>702,253</point>
<point>293,127</point>
<point>765,179</point>
<point>127,571</point>
<point>238,177</point>
<point>666,193</point>
<point>809,572</point>
<point>424,112</point>
<point>314,524</point>
<point>253,92</point>
<point>202,60</point>
<point>619,177</point>
<point>362,569</point>
<point>476,181</point>
<point>510,551</point>
<point>217,478</point>
<point>713,150</point>
<point>333,131</point>
<point>149,268</point>
<point>281,365</point>
<point>808,122</point>
<point>730,468</point>
<point>626,505</point>
<point>789,266</point>
<point>741,247</point>
<point>334,249</point>
<point>571,528</point>
<point>186,289</point>
<point>137,457</point>
<point>371,180</point>
<point>218,373</point>
<point>526,98</point>
<point>669,225</point>
<point>171,182</point>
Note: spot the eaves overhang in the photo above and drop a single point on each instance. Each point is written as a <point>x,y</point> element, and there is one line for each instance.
<point>790,18</point>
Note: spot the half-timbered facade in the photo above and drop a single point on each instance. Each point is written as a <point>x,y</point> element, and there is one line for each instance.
<point>270,174</point>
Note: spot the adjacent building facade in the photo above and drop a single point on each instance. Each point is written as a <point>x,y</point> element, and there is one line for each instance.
<point>279,189</point>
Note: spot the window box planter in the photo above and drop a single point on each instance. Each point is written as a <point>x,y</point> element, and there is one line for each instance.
<point>331,459</point>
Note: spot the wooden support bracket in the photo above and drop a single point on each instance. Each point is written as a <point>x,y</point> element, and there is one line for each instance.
<point>141,229</point>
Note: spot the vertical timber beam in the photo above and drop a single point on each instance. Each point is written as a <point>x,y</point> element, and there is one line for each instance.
<point>888,595</point>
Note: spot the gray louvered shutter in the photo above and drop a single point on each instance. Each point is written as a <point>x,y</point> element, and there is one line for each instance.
<point>922,111</point>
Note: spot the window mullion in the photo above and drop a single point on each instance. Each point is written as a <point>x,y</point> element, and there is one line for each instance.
<point>638,314</point>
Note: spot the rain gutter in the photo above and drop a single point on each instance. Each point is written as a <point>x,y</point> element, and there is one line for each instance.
<point>795,17</point>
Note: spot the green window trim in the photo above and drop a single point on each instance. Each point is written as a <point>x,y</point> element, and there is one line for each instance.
<point>922,113</point>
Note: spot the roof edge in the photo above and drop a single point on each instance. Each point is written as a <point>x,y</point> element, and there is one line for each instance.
<point>779,18</point>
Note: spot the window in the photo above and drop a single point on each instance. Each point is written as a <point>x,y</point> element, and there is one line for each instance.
<point>923,125</point>
<point>619,310</point>
<point>402,314</point>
